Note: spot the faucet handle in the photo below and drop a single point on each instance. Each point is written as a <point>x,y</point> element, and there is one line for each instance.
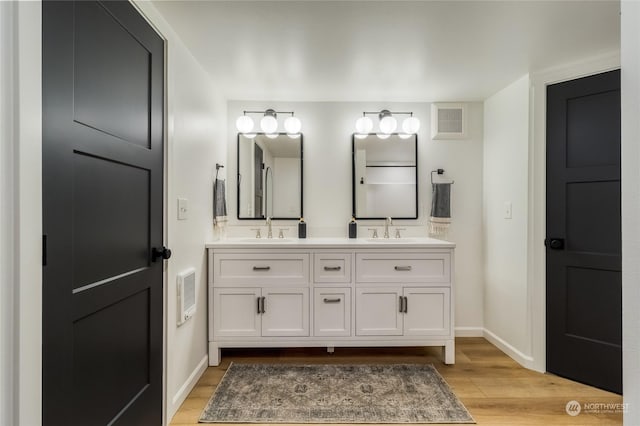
<point>281,233</point>
<point>375,232</point>
<point>258,235</point>
<point>398,232</point>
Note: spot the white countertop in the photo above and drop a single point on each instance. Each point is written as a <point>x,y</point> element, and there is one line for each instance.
<point>409,242</point>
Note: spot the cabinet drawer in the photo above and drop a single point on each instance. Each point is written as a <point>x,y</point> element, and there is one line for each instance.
<point>403,268</point>
<point>332,312</point>
<point>260,269</point>
<point>332,267</point>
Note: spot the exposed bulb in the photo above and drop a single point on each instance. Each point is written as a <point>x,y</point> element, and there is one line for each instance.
<point>244,124</point>
<point>411,125</point>
<point>364,125</point>
<point>388,124</point>
<point>269,124</point>
<point>292,125</point>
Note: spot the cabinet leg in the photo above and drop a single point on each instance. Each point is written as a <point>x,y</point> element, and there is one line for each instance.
<point>215,354</point>
<point>330,349</point>
<point>449,352</point>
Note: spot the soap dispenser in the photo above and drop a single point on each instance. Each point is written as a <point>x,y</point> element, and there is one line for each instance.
<point>302,228</point>
<point>353,228</point>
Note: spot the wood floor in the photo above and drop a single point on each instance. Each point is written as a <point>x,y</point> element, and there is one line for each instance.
<point>494,388</point>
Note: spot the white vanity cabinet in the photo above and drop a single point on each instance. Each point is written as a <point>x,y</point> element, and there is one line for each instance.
<point>330,292</point>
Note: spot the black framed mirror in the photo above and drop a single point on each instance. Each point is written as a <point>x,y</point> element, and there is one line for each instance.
<point>384,176</point>
<point>270,176</point>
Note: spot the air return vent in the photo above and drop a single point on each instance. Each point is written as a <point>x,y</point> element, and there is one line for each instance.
<point>448,121</point>
<point>186,295</point>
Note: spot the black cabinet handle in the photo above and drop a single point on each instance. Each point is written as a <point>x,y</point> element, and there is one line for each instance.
<point>261,268</point>
<point>259,307</point>
<point>406,304</point>
<point>401,304</point>
<point>161,252</point>
<point>337,300</point>
<point>402,268</point>
<point>332,268</point>
<point>264,304</point>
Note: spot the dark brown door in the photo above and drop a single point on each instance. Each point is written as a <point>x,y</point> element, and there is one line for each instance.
<point>584,283</point>
<point>102,213</point>
<point>258,182</point>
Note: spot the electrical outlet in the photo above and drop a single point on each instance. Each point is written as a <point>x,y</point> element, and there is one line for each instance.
<point>507,210</point>
<point>183,209</point>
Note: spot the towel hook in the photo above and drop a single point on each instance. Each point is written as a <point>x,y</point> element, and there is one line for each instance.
<point>440,172</point>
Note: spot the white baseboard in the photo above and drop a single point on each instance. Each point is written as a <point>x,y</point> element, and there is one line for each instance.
<point>469,332</point>
<point>188,385</point>
<point>525,360</point>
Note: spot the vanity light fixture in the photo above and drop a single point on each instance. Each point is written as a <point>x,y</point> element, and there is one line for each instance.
<point>268,122</point>
<point>387,124</point>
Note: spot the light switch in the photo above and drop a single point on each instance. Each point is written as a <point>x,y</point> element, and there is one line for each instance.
<point>507,210</point>
<point>183,208</point>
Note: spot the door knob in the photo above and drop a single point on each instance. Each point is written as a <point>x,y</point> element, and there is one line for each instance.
<point>555,243</point>
<point>161,252</point>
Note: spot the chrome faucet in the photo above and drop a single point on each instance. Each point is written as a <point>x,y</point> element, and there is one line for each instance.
<point>387,222</point>
<point>269,230</point>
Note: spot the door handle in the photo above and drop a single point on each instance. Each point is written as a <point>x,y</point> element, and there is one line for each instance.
<point>161,252</point>
<point>259,306</point>
<point>332,268</point>
<point>401,304</point>
<point>336,300</point>
<point>554,243</point>
<point>263,304</point>
<point>406,304</point>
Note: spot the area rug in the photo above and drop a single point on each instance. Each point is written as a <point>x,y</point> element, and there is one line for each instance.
<point>281,393</point>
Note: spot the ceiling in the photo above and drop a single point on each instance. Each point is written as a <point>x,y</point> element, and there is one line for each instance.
<point>386,50</point>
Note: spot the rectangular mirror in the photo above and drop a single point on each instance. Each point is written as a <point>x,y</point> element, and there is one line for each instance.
<point>385,172</point>
<point>269,176</point>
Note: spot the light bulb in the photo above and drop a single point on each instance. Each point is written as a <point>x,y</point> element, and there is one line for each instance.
<point>411,125</point>
<point>388,124</point>
<point>272,135</point>
<point>383,135</point>
<point>404,135</point>
<point>292,125</point>
<point>364,125</point>
<point>244,124</point>
<point>360,135</point>
<point>269,124</point>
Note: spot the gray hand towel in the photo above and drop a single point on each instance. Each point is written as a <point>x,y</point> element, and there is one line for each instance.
<point>440,217</point>
<point>219,202</point>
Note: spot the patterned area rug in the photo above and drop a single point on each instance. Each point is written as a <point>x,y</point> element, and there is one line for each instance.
<point>281,393</point>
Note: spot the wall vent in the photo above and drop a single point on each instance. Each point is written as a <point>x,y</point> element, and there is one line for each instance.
<point>448,121</point>
<point>186,295</point>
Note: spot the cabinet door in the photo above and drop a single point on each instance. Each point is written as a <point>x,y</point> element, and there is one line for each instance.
<point>332,312</point>
<point>235,312</point>
<point>427,311</point>
<point>378,311</point>
<point>286,312</point>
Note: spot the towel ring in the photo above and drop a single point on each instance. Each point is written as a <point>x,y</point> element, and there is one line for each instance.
<point>440,172</point>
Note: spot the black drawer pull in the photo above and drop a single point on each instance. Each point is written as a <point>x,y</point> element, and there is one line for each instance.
<point>261,268</point>
<point>332,300</point>
<point>402,268</point>
<point>332,268</point>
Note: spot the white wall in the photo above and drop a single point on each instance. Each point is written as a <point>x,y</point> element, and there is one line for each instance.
<point>327,129</point>
<point>7,201</point>
<point>196,141</point>
<point>505,180</point>
<point>631,210</point>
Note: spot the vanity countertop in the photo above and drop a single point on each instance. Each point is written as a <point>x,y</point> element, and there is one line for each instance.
<point>409,242</point>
